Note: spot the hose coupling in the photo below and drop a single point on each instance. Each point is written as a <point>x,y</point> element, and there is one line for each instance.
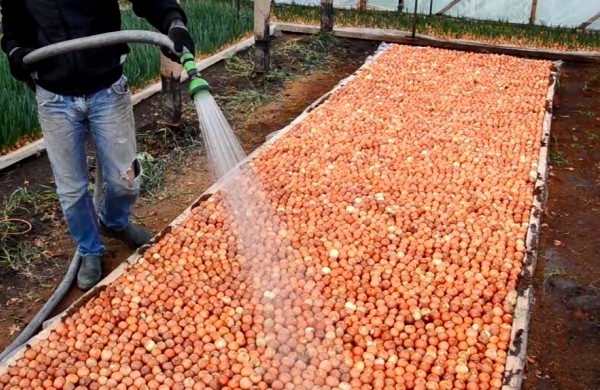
<point>196,84</point>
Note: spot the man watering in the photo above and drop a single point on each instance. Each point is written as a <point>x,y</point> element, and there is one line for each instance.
<point>86,91</point>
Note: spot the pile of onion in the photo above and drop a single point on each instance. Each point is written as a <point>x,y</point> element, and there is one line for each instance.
<point>376,245</point>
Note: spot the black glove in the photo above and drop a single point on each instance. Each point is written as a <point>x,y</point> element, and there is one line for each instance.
<point>18,69</point>
<point>181,38</point>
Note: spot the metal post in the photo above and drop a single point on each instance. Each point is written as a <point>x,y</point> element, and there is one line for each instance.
<point>430,7</point>
<point>414,27</point>
<point>400,5</point>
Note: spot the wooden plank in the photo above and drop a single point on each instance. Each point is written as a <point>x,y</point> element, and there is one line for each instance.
<point>38,146</point>
<point>517,352</point>
<point>137,256</point>
<point>533,11</point>
<point>402,37</point>
<point>448,7</point>
<point>26,151</point>
<point>591,20</point>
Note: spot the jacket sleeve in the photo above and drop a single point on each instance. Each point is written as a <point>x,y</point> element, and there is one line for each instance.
<point>18,28</point>
<point>159,13</point>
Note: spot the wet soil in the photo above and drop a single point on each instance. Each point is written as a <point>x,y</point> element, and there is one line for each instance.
<point>303,69</point>
<point>564,340</point>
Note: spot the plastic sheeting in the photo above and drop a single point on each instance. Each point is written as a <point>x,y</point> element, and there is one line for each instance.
<point>565,13</point>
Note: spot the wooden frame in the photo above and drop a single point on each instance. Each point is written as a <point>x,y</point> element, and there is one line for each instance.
<point>515,364</point>
<point>448,7</point>
<point>395,36</point>
<point>591,20</point>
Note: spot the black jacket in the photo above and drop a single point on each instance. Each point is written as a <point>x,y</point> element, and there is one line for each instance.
<point>37,23</point>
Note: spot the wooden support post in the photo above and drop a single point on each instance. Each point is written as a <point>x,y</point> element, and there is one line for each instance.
<point>533,11</point>
<point>170,97</point>
<point>414,26</point>
<point>361,5</point>
<point>448,7</point>
<point>591,20</point>
<point>326,16</point>
<point>170,73</point>
<point>262,10</point>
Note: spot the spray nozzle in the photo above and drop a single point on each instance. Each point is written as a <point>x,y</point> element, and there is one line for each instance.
<point>197,84</point>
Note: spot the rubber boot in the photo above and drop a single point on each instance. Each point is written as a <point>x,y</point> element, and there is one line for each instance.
<point>133,235</point>
<point>90,271</point>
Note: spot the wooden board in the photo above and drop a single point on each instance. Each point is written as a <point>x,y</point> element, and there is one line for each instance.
<point>51,324</point>
<point>28,150</point>
<point>517,352</point>
<point>403,37</point>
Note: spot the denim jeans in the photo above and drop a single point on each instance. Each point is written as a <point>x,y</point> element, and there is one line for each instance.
<point>107,116</point>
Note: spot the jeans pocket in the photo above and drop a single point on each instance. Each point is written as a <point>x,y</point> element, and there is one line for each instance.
<point>45,97</point>
<point>121,86</point>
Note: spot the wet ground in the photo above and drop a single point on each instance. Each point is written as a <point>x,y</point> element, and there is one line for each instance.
<point>564,341</point>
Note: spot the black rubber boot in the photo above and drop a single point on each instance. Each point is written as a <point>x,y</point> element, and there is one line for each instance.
<point>133,235</point>
<point>90,271</point>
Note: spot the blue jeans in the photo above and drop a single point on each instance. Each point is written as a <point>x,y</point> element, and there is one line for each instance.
<point>108,117</point>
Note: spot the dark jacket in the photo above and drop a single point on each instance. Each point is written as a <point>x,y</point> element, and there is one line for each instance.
<point>37,23</point>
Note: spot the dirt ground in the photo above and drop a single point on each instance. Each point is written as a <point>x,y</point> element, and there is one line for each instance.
<point>564,341</point>
<point>303,68</point>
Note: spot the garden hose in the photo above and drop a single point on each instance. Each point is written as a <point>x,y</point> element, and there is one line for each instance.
<point>196,85</point>
<point>100,40</point>
<point>41,316</point>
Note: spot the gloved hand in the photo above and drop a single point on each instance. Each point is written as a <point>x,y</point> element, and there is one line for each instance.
<point>181,38</point>
<point>18,69</point>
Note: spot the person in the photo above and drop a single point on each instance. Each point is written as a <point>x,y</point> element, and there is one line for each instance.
<point>86,91</point>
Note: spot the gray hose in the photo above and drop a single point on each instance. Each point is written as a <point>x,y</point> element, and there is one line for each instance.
<point>101,40</point>
<point>39,318</point>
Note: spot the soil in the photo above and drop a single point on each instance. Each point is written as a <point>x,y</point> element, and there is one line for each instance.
<point>304,67</point>
<point>564,339</point>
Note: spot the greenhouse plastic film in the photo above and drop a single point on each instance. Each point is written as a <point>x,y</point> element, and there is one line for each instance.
<point>556,13</point>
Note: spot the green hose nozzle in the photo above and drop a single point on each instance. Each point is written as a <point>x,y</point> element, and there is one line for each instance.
<point>197,84</point>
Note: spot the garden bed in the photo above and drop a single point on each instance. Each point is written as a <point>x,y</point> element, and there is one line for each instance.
<point>303,69</point>
<point>495,210</point>
<point>275,128</point>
